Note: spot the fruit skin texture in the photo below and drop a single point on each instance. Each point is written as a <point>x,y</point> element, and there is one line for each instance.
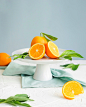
<point>38,39</point>
<point>72,88</point>
<point>37,51</point>
<point>50,51</point>
<point>5,59</point>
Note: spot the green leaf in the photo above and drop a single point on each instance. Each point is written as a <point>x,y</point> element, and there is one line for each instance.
<point>68,57</point>
<point>67,65</point>
<point>22,104</point>
<point>75,67</point>
<point>30,99</point>
<point>11,98</point>
<point>11,103</point>
<point>23,55</point>
<point>67,52</point>
<point>64,65</point>
<point>21,99</point>
<point>72,66</point>
<point>15,55</point>
<point>15,58</point>
<point>2,100</point>
<point>50,36</point>
<point>46,38</point>
<point>70,53</point>
<point>22,95</point>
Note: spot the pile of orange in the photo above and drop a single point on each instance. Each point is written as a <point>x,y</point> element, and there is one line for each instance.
<point>5,59</point>
<point>40,47</point>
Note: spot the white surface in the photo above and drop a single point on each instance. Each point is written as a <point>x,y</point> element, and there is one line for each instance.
<point>44,97</point>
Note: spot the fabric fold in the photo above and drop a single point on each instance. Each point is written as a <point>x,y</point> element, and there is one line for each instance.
<point>27,71</point>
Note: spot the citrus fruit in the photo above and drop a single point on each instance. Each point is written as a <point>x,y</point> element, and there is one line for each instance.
<point>51,50</point>
<point>37,51</point>
<point>72,88</point>
<point>5,59</point>
<point>38,39</point>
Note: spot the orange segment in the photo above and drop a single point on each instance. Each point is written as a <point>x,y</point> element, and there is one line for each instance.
<point>37,51</point>
<point>52,50</point>
<point>72,88</point>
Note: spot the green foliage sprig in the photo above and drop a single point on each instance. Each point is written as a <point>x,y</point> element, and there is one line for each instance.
<point>68,54</point>
<point>16,100</point>
<point>71,65</point>
<point>16,56</point>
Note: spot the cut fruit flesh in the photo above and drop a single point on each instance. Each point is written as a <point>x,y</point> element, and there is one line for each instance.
<point>37,51</point>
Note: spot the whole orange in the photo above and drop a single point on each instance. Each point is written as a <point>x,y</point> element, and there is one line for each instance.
<point>38,39</point>
<point>5,59</point>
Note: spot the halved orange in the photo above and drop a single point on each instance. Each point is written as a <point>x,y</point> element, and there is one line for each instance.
<point>37,51</point>
<point>51,50</point>
<point>72,88</point>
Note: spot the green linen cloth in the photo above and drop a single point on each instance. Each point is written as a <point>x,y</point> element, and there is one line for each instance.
<point>26,72</point>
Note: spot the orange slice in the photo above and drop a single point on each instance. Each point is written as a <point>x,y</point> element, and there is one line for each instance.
<point>37,51</point>
<point>52,50</point>
<point>72,88</point>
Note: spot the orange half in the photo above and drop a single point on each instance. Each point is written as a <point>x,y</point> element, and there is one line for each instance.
<point>72,88</point>
<point>37,51</point>
<point>52,50</point>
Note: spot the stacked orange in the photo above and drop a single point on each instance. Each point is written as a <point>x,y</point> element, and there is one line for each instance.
<point>40,47</point>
